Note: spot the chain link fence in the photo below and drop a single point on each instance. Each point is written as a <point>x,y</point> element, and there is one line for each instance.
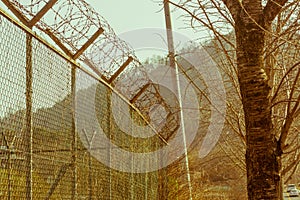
<point>43,154</point>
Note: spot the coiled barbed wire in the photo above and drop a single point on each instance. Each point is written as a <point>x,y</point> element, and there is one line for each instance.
<point>74,22</point>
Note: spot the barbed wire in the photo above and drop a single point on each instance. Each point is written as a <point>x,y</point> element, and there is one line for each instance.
<point>73,23</point>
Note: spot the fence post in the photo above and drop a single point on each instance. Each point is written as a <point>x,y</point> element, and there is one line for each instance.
<point>28,132</point>
<point>131,142</point>
<point>90,174</point>
<point>108,101</point>
<point>74,137</point>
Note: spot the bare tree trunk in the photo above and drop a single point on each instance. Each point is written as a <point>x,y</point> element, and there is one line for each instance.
<point>262,159</point>
<point>252,20</point>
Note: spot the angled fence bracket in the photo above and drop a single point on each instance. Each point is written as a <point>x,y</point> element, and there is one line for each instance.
<point>141,91</point>
<point>120,70</point>
<point>41,13</point>
<point>59,43</point>
<point>16,12</point>
<point>88,43</point>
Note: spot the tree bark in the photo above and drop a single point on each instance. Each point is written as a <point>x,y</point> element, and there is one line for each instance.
<point>262,158</point>
<point>263,150</point>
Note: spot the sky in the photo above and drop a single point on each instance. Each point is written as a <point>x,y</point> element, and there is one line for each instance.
<point>139,22</point>
<point>133,20</point>
<point>133,14</point>
<point>129,14</point>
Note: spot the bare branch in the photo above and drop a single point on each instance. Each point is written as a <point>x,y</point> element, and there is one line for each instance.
<point>283,101</point>
<point>291,166</point>
<point>290,115</point>
<point>234,7</point>
<point>281,82</point>
<point>272,9</point>
<point>292,93</point>
<point>287,149</point>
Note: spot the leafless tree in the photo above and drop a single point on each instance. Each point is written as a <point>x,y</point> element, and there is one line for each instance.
<point>262,60</point>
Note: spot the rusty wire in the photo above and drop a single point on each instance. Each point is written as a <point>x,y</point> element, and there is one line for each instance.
<point>71,24</point>
<point>74,22</point>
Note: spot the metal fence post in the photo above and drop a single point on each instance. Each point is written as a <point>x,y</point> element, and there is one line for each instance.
<point>108,101</point>
<point>28,132</point>
<point>74,137</point>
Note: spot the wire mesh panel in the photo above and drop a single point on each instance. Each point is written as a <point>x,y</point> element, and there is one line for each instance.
<point>62,130</point>
<point>109,172</point>
<point>12,110</point>
<point>94,178</point>
<point>52,123</point>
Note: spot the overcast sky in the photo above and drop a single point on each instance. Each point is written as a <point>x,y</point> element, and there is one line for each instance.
<point>133,14</point>
<point>130,18</point>
<point>130,14</point>
<point>143,21</point>
<point>139,21</point>
<point>133,21</point>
